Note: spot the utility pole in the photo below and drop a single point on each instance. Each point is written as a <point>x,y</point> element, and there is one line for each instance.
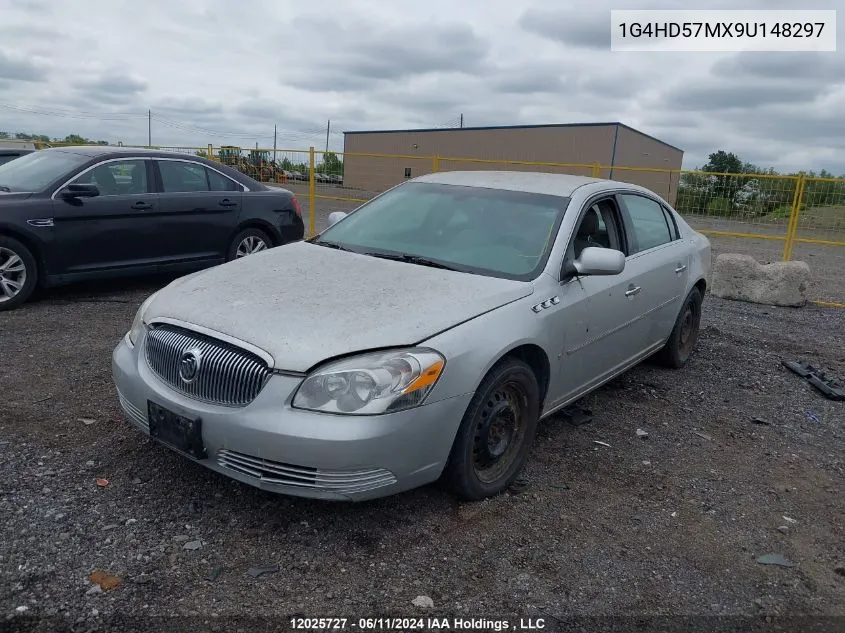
<point>462,119</point>
<point>149,128</point>
<point>274,143</point>
<point>328,127</point>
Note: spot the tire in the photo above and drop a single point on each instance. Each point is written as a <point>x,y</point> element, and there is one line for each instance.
<point>684,336</point>
<point>509,395</point>
<point>248,236</point>
<point>18,273</point>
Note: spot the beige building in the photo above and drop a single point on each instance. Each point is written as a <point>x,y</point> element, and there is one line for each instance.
<point>376,160</point>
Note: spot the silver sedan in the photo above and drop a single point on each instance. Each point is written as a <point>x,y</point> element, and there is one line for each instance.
<point>420,338</point>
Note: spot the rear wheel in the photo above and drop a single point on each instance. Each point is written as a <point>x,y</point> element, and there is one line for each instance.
<point>496,433</point>
<point>18,273</point>
<point>684,337</point>
<point>248,242</point>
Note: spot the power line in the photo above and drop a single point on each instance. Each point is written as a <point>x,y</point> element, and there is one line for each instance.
<point>78,114</point>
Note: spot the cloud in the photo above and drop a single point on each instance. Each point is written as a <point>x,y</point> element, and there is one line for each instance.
<point>20,68</point>
<point>114,83</point>
<point>785,66</point>
<point>737,96</point>
<point>353,62</point>
<point>111,87</point>
<point>570,27</point>
<point>227,72</point>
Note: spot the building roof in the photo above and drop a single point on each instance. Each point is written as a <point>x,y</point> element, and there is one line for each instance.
<point>533,182</point>
<point>516,127</point>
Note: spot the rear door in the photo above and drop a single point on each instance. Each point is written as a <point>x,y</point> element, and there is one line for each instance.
<point>114,230</point>
<point>659,259</point>
<point>199,211</point>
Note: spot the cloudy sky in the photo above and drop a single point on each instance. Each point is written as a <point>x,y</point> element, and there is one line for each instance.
<point>227,71</point>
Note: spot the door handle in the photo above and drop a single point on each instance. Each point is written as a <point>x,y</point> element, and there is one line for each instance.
<point>225,202</point>
<point>681,268</point>
<point>142,205</point>
<point>632,290</point>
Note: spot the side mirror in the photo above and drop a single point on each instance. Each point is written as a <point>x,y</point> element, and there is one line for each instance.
<point>597,261</point>
<point>79,191</point>
<point>336,217</point>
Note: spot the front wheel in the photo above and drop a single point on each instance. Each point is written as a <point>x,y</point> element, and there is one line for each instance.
<point>18,273</point>
<point>496,433</point>
<point>684,336</point>
<point>248,242</point>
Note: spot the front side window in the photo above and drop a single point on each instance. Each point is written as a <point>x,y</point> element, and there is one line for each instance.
<point>35,171</point>
<point>117,178</point>
<point>179,176</point>
<point>648,222</point>
<point>484,231</point>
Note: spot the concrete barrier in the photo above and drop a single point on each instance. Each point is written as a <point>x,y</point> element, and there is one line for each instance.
<point>741,277</point>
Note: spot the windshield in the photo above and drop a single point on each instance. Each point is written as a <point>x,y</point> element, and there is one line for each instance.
<point>472,229</point>
<point>35,171</point>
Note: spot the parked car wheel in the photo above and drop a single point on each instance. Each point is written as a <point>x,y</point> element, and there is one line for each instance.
<point>496,433</point>
<point>684,336</point>
<point>18,273</point>
<point>248,242</point>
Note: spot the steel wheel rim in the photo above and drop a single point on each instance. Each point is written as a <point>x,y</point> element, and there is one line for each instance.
<point>499,433</point>
<point>12,274</point>
<point>688,330</point>
<point>250,245</point>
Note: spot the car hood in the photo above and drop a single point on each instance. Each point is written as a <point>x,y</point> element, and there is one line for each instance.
<point>14,196</point>
<point>303,303</point>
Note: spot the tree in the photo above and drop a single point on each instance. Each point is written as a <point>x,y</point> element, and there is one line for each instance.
<point>723,163</point>
<point>330,164</point>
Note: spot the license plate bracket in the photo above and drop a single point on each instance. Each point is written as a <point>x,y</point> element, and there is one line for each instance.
<point>176,431</point>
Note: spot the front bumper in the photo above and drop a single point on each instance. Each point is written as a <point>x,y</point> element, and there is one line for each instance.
<point>272,446</point>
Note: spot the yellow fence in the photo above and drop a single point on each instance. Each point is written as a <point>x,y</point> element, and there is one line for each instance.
<point>769,216</point>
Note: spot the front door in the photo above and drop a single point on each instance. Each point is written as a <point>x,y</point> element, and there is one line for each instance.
<point>600,329</point>
<point>199,211</point>
<point>114,230</point>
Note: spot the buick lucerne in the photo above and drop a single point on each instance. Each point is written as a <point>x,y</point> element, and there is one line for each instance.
<point>420,338</point>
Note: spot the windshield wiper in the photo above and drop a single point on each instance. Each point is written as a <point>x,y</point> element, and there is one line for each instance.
<point>412,259</point>
<point>327,244</point>
<point>5,188</point>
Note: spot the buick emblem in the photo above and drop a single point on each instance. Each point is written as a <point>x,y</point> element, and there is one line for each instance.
<point>189,365</point>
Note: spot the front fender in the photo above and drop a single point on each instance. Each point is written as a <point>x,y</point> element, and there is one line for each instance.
<point>474,347</point>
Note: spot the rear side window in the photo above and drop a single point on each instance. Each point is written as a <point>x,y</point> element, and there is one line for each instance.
<point>648,223</point>
<point>219,182</point>
<point>179,176</point>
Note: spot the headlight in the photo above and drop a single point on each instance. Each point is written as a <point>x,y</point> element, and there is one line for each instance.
<point>380,382</point>
<point>138,324</point>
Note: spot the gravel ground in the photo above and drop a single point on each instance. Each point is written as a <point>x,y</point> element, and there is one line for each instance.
<point>671,524</point>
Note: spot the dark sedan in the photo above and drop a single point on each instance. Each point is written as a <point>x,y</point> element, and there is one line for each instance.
<point>11,153</point>
<point>74,213</point>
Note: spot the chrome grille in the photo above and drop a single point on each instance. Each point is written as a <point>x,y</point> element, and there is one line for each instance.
<point>227,375</point>
<point>271,472</point>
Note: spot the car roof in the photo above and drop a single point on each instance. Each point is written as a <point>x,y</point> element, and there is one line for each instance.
<point>101,150</point>
<point>528,181</point>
